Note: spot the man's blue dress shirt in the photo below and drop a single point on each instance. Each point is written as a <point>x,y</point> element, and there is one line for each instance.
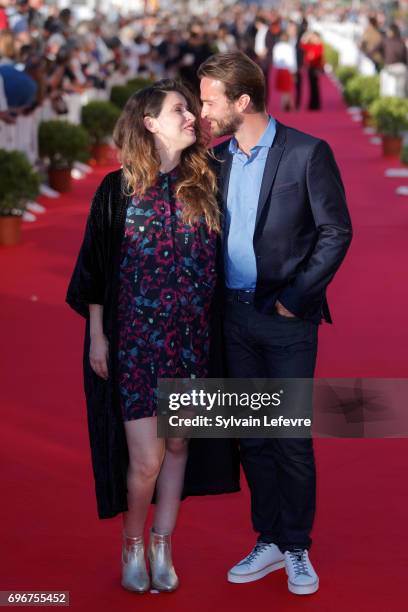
<point>240,215</point>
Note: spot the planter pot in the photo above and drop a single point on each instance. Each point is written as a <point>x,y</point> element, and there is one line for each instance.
<point>101,153</point>
<point>60,179</point>
<point>365,117</point>
<point>391,145</point>
<point>10,230</point>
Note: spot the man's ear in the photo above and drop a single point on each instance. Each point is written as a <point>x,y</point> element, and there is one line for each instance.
<point>150,124</point>
<point>243,103</point>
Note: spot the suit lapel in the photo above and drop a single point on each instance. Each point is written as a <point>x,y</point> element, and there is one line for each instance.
<point>271,166</point>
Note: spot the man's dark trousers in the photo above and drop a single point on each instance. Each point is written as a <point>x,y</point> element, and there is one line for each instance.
<point>280,472</point>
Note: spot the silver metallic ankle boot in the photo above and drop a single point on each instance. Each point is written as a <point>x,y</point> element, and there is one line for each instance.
<point>134,572</point>
<point>164,577</point>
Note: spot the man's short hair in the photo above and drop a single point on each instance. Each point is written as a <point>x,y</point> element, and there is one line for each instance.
<point>239,74</point>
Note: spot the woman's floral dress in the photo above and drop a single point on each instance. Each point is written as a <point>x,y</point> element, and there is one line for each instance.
<point>167,278</point>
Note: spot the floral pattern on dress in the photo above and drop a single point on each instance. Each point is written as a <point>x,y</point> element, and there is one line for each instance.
<point>166,283</point>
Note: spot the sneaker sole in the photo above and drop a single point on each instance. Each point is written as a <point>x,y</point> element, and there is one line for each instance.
<point>242,578</point>
<point>303,589</point>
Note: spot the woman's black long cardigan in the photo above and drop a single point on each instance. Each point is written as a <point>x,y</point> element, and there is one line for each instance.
<point>213,465</point>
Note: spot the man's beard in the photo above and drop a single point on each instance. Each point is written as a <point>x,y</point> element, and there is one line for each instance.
<point>225,127</point>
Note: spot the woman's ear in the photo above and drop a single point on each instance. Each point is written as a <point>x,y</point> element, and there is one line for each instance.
<point>150,124</point>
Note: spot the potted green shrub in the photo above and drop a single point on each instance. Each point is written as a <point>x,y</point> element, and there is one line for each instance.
<point>345,73</point>
<point>61,144</point>
<point>19,184</point>
<point>404,155</point>
<point>390,115</point>
<point>362,91</point>
<point>370,91</point>
<point>331,56</point>
<point>120,94</point>
<point>139,83</point>
<point>352,91</point>
<point>99,119</point>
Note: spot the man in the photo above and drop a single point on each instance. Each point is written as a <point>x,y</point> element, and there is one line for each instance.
<point>286,231</point>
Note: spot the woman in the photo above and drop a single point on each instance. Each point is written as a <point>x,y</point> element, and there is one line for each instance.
<point>145,279</point>
<point>312,46</point>
<point>284,62</point>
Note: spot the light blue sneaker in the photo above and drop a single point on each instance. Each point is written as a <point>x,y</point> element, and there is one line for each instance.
<point>263,559</point>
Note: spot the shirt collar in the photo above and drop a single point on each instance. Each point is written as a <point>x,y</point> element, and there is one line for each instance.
<point>265,140</point>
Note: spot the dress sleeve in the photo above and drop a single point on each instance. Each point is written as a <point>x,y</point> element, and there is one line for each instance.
<point>87,284</point>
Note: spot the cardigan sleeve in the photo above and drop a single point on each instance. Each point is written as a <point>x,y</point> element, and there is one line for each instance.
<point>87,284</point>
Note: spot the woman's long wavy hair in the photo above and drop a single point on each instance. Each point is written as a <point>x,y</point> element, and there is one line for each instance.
<point>196,185</point>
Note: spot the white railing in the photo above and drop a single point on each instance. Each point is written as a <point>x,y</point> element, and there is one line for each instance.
<point>23,135</point>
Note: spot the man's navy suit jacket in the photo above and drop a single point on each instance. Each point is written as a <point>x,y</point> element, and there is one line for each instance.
<point>303,227</point>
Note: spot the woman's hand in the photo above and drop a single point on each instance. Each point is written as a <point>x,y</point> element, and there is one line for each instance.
<point>98,355</point>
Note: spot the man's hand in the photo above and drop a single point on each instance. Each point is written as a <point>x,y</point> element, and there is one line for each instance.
<point>284,312</point>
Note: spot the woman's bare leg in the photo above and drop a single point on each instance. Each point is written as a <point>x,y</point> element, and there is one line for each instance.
<point>146,453</point>
<point>170,485</point>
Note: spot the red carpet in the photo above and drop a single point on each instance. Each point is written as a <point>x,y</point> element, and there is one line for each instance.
<point>51,538</point>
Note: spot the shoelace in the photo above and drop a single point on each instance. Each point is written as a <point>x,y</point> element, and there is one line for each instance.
<point>259,547</point>
<point>298,559</point>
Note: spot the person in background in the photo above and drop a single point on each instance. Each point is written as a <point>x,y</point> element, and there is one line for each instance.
<point>19,88</point>
<point>35,67</point>
<point>4,22</point>
<point>312,46</point>
<point>261,26</point>
<point>65,20</point>
<point>193,52</point>
<point>284,62</point>
<point>225,41</point>
<point>18,18</point>
<point>371,42</point>
<point>8,51</point>
<point>392,47</point>
<point>260,50</point>
<point>295,33</point>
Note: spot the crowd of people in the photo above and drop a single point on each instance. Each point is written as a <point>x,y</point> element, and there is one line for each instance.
<point>46,52</point>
